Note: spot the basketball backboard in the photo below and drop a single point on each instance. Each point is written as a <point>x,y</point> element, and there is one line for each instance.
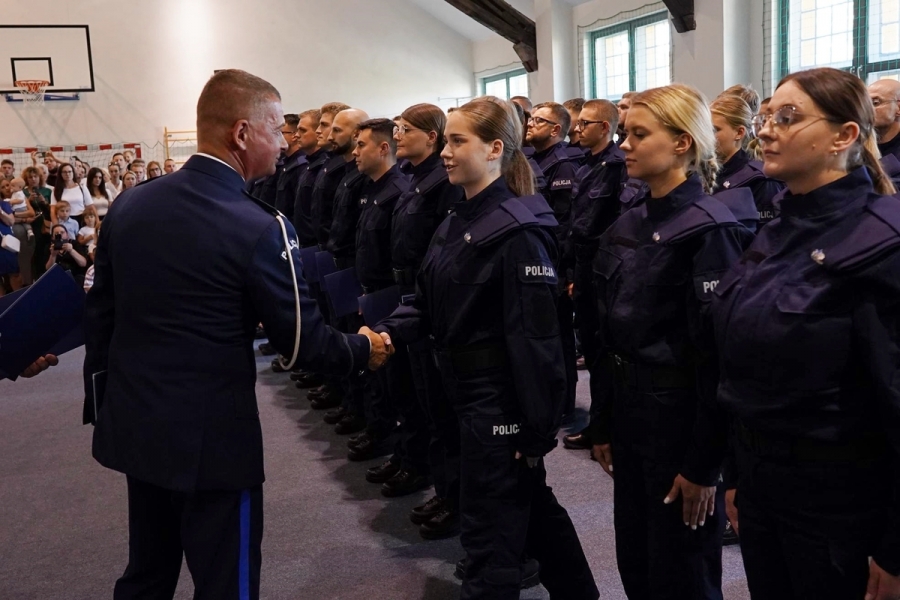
<point>60,54</point>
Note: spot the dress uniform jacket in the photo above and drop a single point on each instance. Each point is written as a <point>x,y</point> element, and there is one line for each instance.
<point>171,319</point>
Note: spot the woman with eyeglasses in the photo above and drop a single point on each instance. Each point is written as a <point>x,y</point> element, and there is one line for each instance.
<point>808,331</point>
<point>655,417</point>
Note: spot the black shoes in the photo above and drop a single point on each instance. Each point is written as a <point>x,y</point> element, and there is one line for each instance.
<point>327,400</point>
<point>423,513</point>
<point>276,366</point>
<point>366,447</point>
<point>306,381</point>
<point>531,572</point>
<point>731,537</point>
<point>443,525</point>
<point>404,483</point>
<point>333,417</point>
<point>382,472</point>
<point>266,349</point>
<point>578,441</point>
<point>351,423</point>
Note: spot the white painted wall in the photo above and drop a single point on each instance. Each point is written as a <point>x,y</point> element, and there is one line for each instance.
<point>151,59</point>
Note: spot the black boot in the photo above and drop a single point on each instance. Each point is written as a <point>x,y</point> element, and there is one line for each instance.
<point>531,572</point>
<point>382,472</point>
<point>443,525</point>
<point>333,417</point>
<point>404,483</point>
<point>423,513</point>
<point>578,441</point>
<point>351,423</point>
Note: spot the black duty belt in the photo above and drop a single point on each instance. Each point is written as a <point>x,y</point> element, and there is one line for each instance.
<point>644,377</point>
<point>477,357</point>
<point>405,277</point>
<point>805,449</point>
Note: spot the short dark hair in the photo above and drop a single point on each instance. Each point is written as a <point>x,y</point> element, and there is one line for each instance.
<point>574,104</point>
<point>383,129</point>
<point>525,100</point>
<point>6,161</point>
<point>560,115</point>
<point>229,96</point>
<point>291,120</point>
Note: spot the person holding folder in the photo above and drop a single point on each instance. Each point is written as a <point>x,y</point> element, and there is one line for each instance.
<point>169,362</point>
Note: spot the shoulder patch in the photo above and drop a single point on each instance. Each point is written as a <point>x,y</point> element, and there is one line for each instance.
<point>706,283</point>
<point>537,271</point>
<point>564,183</point>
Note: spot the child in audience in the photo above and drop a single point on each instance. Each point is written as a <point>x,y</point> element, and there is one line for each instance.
<point>62,216</point>
<point>87,235</point>
<point>19,202</point>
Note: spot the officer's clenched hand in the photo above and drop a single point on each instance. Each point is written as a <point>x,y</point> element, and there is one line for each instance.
<point>603,454</point>
<point>882,585</point>
<point>731,510</point>
<point>381,348</point>
<point>696,501</point>
<point>41,364</point>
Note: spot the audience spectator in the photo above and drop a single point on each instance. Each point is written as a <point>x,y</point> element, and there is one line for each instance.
<point>9,262</point>
<point>63,252</point>
<point>169,166</point>
<point>98,191</point>
<point>129,156</point>
<point>114,185</point>
<point>87,235</point>
<point>39,197</point>
<point>92,253</point>
<point>138,167</point>
<point>79,166</point>
<point>69,189</point>
<point>154,170</point>
<point>129,180</point>
<point>63,218</point>
<point>50,164</point>
<point>23,214</point>
<point>7,169</point>
<point>119,159</point>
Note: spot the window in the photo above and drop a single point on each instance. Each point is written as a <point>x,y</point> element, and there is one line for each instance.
<point>506,85</point>
<point>861,36</point>
<point>631,56</point>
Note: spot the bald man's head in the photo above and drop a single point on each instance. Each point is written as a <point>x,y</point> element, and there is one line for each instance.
<point>239,120</point>
<point>885,94</point>
<point>343,131</point>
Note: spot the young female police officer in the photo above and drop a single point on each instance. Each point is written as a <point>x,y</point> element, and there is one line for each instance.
<point>807,329</point>
<point>654,272</point>
<point>486,293</point>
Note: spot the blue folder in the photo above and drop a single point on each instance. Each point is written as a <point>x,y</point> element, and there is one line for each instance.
<point>343,291</point>
<point>308,258</point>
<point>45,318</point>
<point>379,305</point>
<point>325,264</point>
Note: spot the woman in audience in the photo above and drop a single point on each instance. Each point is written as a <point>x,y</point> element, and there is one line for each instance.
<point>24,232</point>
<point>657,421</point>
<point>807,330</point>
<point>39,196</point>
<point>9,262</point>
<point>68,188</point>
<point>96,186</point>
<point>731,119</point>
<point>129,180</point>
<point>154,170</point>
<point>114,181</point>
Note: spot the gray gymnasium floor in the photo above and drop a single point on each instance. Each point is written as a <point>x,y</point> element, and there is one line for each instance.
<point>328,533</point>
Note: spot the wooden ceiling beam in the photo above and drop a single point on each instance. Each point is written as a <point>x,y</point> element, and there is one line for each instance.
<point>503,19</point>
<point>682,12</point>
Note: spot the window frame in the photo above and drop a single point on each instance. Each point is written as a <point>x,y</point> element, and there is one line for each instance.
<point>630,27</point>
<point>861,67</point>
<point>506,75</point>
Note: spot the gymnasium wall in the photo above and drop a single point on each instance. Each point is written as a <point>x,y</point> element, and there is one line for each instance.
<point>151,59</point>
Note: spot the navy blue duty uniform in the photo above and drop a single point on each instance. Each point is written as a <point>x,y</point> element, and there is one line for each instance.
<point>266,188</point>
<point>169,324</point>
<point>807,326</point>
<point>595,206</point>
<point>890,159</point>
<point>655,270</point>
<point>303,198</point>
<point>417,214</point>
<point>324,192</point>
<point>740,171</point>
<point>391,389</point>
<point>559,164</point>
<point>486,293</point>
<point>294,166</point>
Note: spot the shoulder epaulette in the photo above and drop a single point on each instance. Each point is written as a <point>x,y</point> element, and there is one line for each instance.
<point>876,233</point>
<point>706,213</point>
<point>431,181</point>
<point>513,214</point>
<point>749,172</point>
<point>742,205</point>
<point>266,207</point>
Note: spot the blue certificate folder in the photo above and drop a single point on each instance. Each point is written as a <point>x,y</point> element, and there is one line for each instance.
<point>45,318</point>
<point>379,305</point>
<point>343,291</point>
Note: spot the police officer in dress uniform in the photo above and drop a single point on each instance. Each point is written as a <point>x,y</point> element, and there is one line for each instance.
<point>806,324</point>
<point>655,270</point>
<point>486,293</point>
<point>558,162</point>
<point>596,204</point>
<point>885,94</point>
<point>169,327</point>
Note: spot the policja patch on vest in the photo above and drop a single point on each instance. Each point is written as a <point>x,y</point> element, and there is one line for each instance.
<point>537,272</point>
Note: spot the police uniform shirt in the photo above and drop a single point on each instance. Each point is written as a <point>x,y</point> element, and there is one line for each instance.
<point>342,235</point>
<point>170,321</point>
<point>741,171</point>
<point>420,210</point>
<point>294,166</point>
<point>489,279</point>
<point>303,199</point>
<point>324,190</point>
<point>266,188</point>
<point>891,147</point>
<point>373,234</point>
<point>654,271</point>
<point>559,166</point>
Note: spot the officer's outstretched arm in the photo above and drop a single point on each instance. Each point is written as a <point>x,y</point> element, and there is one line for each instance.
<point>99,319</point>
<point>410,322</point>
<point>271,293</point>
<point>532,338</point>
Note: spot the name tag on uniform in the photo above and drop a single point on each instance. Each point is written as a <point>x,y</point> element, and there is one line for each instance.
<point>561,184</point>
<point>505,429</point>
<point>537,272</point>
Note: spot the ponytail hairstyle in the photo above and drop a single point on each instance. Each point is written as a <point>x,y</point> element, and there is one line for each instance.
<point>843,98</point>
<point>494,119</point>
<point>428,118</point>
<point>682,109</point>
<point>745,93</point>
<point>736,113</point>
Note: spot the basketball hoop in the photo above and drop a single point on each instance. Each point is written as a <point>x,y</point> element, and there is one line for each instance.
<point>32,90</point>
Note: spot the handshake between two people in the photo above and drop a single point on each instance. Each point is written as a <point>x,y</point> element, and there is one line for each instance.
<point>382,348</point>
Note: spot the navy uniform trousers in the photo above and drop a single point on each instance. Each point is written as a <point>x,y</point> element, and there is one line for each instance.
<point>218,532</point>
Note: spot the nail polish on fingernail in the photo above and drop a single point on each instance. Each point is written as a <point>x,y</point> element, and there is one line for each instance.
<point>693,527</point>
<point>668,501</point>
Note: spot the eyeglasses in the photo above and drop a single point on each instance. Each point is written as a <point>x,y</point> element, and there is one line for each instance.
<point>782,118</point>
<point>401,130</point>
<point>287,132</point>
<point>538,121</point>
<point>583,123</point>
